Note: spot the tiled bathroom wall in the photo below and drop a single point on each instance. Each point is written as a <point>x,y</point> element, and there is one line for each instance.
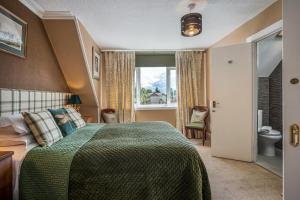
<point>263,99</point>
<point>270,99</point>
<point>275,98</point>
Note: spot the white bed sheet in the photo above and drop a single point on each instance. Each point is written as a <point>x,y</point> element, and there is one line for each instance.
<point>20,152</point>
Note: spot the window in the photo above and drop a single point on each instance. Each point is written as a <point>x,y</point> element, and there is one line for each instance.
<point>155,87</point>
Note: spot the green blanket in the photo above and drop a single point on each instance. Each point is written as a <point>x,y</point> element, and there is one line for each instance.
<point>138,161</point>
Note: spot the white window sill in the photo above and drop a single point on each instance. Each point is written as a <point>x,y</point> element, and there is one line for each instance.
<point>155,107</point>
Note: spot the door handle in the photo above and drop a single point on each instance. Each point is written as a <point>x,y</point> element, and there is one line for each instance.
<point>295,131</point>
<point>214,104</point>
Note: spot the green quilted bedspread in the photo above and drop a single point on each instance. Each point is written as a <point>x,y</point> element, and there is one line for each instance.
<point>137,161</point>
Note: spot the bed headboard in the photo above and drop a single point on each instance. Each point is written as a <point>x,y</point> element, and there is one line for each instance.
<point>14,101</point>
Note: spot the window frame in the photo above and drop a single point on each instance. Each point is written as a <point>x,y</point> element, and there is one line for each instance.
<point>168,105</point>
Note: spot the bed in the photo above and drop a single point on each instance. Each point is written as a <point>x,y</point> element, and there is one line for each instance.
<point>148,160</point>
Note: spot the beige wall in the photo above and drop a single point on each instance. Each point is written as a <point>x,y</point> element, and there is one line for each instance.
<point>156,115</point>
<point>89,43</point>
<point>269,16</point>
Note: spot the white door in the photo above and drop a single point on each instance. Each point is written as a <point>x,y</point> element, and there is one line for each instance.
<point>291,96</point>
<point>232,92</point>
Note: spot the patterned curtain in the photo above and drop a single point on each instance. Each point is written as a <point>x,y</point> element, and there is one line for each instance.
<point>191,84</point>
<point>118,84</point>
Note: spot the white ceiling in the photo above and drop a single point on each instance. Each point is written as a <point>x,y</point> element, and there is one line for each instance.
<point>155,24</point>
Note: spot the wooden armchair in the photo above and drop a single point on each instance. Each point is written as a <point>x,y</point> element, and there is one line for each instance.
<point>195,127</point>
<point>109,115</point>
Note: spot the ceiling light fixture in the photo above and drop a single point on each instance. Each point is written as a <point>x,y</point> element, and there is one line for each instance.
<point>191,24</point>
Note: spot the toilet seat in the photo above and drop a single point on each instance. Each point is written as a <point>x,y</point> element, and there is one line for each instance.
<point>269,132</point>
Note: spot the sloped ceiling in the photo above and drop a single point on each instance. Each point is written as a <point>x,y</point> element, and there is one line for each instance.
<point>155,24</point>
<point>66,39</point>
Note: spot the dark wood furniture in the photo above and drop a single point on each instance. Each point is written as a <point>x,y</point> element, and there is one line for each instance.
<point>203,128</point>
<point>107,110</point>
<point>6,190</point>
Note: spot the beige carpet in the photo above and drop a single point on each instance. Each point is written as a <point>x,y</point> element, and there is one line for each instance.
<point>235,180</point>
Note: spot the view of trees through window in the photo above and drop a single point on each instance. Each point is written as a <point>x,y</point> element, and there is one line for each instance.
<point>155,85</point>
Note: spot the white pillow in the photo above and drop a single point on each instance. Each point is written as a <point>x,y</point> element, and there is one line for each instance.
<point>8,131</point>
<point>17,122</point>
<point>13,141</point>
<point>198,116</point>
<point>8,137</point>
<point>4,122</point>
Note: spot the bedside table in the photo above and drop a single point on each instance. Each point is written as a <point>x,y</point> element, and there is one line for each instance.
<point>6,175</point>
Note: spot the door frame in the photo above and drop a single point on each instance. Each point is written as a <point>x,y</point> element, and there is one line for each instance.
<point>262,34</point>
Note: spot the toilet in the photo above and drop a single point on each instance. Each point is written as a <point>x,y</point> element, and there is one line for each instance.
<point>267,137</point>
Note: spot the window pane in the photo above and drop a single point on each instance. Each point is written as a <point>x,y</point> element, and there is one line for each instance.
<point>173,91</point>
<point>153,85</point>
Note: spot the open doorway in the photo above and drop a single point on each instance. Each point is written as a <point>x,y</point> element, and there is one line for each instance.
<point>269,103</point>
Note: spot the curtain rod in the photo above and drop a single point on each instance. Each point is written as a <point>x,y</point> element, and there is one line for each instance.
<point>151,50</point>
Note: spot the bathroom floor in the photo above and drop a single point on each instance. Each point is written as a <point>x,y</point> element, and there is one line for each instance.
<point>274,164</point>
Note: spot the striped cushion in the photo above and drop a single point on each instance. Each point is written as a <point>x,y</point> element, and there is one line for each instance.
<point>76,117</point>
<point>43,127</point>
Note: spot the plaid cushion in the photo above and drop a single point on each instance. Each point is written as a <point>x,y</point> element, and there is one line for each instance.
<point>76,117</point>
<point>43,127</point>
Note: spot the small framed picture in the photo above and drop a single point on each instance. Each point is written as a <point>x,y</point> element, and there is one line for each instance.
<point>96,64</point>
<point>13,33</point>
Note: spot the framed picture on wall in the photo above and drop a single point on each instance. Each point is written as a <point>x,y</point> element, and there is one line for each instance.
<point>13,33</point>
<point>96,64</point>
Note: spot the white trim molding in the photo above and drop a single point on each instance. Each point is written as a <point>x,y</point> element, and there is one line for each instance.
<point>34,7</point>
<point>88,67</point>
<point>155,107</point>
<point>37,9</point>
<point>277,26</point>
<point>58,15</point>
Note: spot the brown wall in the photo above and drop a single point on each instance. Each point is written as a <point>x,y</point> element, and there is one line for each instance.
<point>266,18</point>
<point>40,69</point>
<point>156,115</point>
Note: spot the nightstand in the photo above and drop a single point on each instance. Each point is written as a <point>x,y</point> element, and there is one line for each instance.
<point>6,175</point>
<point>88,119</point>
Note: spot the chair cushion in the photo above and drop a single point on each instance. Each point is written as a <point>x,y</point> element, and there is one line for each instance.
<point>76,117</point>
<point>43,127</point>
<point>195,125</point>
<point>110,118</point>
<point>64,122</point>
<point>198,116</point>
